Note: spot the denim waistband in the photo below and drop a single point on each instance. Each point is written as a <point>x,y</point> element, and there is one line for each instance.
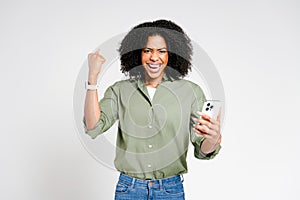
<point>160,182</point>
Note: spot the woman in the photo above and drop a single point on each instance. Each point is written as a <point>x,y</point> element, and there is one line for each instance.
<point>158,112</point>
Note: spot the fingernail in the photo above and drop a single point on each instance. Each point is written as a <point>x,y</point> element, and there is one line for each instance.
<point>199,113</point>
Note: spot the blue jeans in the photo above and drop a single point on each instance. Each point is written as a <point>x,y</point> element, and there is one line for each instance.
<point>129,188</point>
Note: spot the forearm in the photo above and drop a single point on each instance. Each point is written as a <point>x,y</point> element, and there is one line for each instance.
<point>91,108</point>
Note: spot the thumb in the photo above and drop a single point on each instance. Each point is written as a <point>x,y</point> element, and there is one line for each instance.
<point>97,51</point>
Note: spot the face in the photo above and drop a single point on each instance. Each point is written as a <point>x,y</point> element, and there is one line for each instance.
<point>155,58</point>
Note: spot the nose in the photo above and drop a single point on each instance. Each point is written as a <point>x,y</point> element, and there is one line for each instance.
<point>154,56</point>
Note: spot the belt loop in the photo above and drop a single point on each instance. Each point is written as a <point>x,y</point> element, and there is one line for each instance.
<point>182,178</point>
<point>160,184</point>
<point>132,182</point>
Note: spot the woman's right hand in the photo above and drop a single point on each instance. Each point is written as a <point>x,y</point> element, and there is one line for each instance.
<point>95,61</point>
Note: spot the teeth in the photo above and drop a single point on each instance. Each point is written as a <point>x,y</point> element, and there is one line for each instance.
<point>154,66</point>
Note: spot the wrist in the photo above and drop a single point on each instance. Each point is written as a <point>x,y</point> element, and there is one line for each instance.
<point>208,146</point>
<point>92,79</point>
<point>214,141</point>
<point>91,87</point>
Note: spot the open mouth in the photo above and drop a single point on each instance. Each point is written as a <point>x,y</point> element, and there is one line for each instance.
<point>154,67</point>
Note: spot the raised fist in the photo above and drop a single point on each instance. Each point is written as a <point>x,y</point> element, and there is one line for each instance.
<point>95,61</point>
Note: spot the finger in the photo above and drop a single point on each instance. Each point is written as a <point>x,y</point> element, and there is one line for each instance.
<point>203,115</point>
<point>202,134</point>
<point>196,120</point>
<point>206,123</point>
<point>219,116</point>
<point>94,54</point>
<point>102,59</point>
<point>202,121</point>
<point>208,118</point>
<point>211,125</point>
<point>219,139</point>
<point>209,137</point>
<point>200,127</point>
<point>205,129</point>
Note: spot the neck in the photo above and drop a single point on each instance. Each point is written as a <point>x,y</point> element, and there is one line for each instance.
<point>153,82</point>
<point>152,85</point>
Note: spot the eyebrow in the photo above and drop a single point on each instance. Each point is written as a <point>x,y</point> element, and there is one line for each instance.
<point>163,48</point>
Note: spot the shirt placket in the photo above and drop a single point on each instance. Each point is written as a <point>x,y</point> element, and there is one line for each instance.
<point>151,114</point>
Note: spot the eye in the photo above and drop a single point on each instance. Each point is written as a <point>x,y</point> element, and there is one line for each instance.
<point>146,50</point>
<point>163,51</point>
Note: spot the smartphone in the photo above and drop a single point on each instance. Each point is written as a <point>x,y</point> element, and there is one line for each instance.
<point>212,108</point>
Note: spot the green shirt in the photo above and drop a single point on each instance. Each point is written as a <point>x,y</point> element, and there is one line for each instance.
<point>153,135</point>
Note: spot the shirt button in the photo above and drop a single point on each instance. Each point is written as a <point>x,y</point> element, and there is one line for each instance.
<point>150,146</point>
<point>149,165</point>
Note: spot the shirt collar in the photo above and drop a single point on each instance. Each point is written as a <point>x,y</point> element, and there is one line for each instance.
<point>141,81</point>
<point>143,88</point>
<point>166,77</point>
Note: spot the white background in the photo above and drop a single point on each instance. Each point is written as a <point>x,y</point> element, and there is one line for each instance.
<point>254,45</point>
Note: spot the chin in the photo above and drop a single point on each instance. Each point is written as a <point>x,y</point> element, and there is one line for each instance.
<point>154,76</point>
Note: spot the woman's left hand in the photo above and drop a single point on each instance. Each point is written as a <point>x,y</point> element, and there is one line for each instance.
<point>208,127</point>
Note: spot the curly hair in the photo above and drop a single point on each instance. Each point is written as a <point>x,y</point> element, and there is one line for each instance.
<point>179,48</point>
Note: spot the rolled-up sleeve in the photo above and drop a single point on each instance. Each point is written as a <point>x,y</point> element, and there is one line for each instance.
<point>109,113</point>
<point>195,138</point>
<point>199,154</point>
